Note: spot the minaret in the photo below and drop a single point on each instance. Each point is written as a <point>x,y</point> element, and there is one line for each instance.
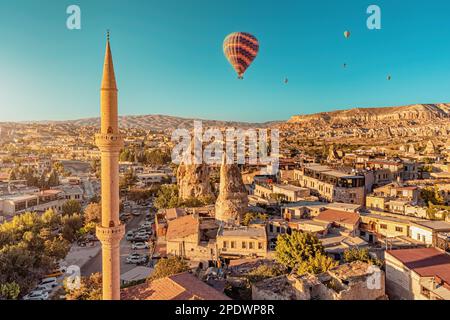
<point>109,141</point>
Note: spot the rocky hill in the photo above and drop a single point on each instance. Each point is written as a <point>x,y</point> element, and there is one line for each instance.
<point>161,122</point>
<point>361,116</point>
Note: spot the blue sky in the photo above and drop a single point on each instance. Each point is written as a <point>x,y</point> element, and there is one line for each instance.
<point>169,60</point>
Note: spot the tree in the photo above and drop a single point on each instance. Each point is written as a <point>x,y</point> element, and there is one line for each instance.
<point>363,255</point>
<point>9,291</point>
<point>168,267</point>
<point>71,207</point>
<point>263,272</point>
<point>58,248</point>
<point>51,218</point>
<point>53,179</point>
<point>167,197</point>
<point>71,225</point>
<point>251,217</point>
<point>157,157</point>
<point>432,196</point>
<point>93,213</point>
<point>294,249</point>
<point>90,288</point>
<point>316,264</point>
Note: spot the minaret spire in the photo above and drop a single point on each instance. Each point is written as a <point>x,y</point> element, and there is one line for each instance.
<point>109,141</point>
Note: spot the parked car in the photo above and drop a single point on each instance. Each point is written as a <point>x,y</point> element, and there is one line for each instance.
<point>36,295</point>
<point>140,245</point>
<point>136,258</point>
<point>51,281</point>
<point>130,235</point>
<point>43,288</point>
<point>136,213</point>
<point>146,224</point>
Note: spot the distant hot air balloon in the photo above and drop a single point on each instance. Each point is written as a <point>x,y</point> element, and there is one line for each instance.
<point>286,80</point>
<point>389,78</point>
<point>345,65</point>
<point>240,48</point>
<point>347,34</point>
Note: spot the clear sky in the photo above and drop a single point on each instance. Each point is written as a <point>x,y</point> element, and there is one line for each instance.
<point>169,60</point>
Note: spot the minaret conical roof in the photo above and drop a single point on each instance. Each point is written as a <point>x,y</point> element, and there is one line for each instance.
<point>109,78</point>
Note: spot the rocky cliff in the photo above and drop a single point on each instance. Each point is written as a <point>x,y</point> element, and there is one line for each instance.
<point>360,116</point>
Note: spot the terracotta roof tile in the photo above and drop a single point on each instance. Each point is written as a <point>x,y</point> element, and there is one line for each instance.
<point>182,227</point>
<point>343,217</point>
<point>182,286</point>
<point>427,262</point>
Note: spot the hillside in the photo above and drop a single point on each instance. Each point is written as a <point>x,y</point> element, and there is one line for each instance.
<point>360,116</point>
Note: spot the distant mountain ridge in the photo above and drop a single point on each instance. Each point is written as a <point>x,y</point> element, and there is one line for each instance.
<point>160,122</point>
<point>360,116</point>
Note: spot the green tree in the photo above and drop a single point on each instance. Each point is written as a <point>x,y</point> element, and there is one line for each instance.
<point>51,219</point>
<point>93,213</point>
<point>362,254</point>
<point>432,196</point>
<point>9,291</point>
<point>71,207</point>
<point>168,267</point>
<point>251,217</point>
<point>53,179</point>
<point>90,288</point>
<point>167,197</point>
<point>57,248</point>
<point>316,264</point>
<point>265,271</point>
<point>71,225</point>
<point>293,249</point>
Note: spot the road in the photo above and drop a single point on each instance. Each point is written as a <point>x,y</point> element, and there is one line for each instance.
<point>95,264</point>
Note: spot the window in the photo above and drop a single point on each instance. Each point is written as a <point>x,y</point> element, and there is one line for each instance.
<point>399,229</point>
<point>270,227</point>
<point>250,245</point>
<point>225,244</point>
<point>383,226</point>
<point>244,245</point>
<point>260,245</point>
<point>233,244</point>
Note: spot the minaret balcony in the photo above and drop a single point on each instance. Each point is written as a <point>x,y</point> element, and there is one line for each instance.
<point>109,142</point>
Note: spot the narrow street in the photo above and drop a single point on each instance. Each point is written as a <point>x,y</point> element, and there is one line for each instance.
<point>95,264</point>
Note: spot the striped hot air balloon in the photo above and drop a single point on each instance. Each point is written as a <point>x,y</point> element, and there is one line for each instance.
<point>240,48</point>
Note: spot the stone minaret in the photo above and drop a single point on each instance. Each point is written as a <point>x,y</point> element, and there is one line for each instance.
<point>232,202</point>
<point>109,141</point>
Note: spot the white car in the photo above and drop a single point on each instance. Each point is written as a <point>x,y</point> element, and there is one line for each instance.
<point>129,236</point>
<point>146,224</point>
<point>135,258</point>
<point>36,295</point>
<point>43,288</point>
<point>136,213</point>
<point>140,246</point>
<point>52,282</point>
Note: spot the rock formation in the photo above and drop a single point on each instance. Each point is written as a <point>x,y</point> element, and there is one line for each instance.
<point>232,202</point>
<point>193,181</point>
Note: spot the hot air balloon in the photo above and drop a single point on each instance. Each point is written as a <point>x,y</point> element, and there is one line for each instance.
<point>286,80</point>
<point>344,65</point>
<point>240,48</point>
<point>389,78</point>
<point>347,34</point>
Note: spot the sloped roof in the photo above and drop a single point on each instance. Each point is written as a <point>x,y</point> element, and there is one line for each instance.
<point>339,217</point>
<point>182,227</point>
<point>181,286</point>
<point>427,262</point>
